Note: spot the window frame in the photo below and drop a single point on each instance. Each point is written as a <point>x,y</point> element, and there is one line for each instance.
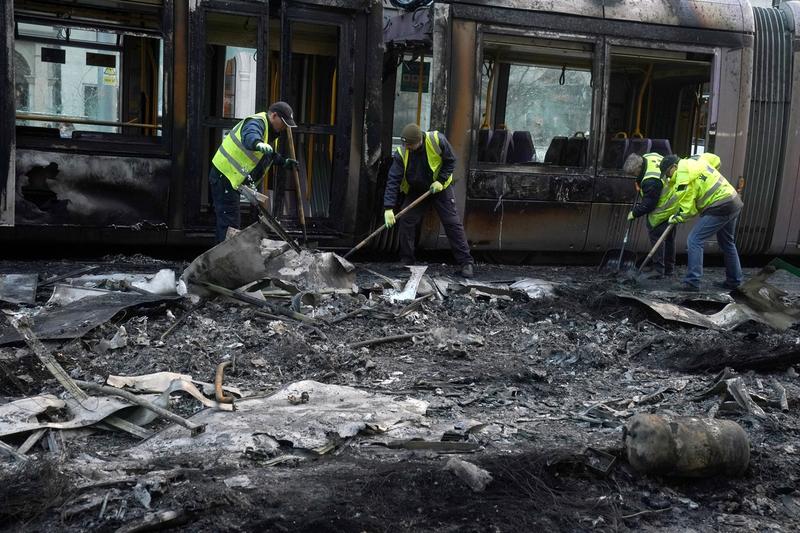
<point>484,33</point>
<point>714,81</point>
<point>106,142</point>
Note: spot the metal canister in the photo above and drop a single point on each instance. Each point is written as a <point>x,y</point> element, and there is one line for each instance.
<point>686,446</point>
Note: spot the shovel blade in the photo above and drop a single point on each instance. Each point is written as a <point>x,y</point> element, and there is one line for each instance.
<point>611,261</point>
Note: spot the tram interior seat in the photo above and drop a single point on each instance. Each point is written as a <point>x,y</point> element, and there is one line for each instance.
<point>576,152</point>
<point>497,150</point>
<point>556,151</point>
<point>638,146</point>
<point>615,153</point>
<point>484,137</point>
<point>661,146</point>
<point>521,150</point>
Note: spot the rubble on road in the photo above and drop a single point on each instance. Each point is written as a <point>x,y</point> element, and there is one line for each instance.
<point>381,397</point>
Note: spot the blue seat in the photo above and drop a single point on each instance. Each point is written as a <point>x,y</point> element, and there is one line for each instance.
<point>661,146</point>
<point>615,153</point>
<point>556,152</point>
<point>521,150</point>
<point>638,146</point>
<point>484,136</point>
<point>576,152</point>
<point>497,151</point>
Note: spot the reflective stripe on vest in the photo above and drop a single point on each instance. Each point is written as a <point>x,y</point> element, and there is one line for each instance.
<point>652,168</point>
<point>233,159</point>
<point>434,152</point>
<point>710,173</point>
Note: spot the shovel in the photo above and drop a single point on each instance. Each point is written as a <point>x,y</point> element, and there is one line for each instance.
<point>620,259</point>
<point>656,246</point>
<point>382,227</point>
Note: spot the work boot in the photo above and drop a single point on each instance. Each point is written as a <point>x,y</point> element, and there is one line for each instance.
<point>467,270</point>
<point>685,287</point>
<point>727,285</point>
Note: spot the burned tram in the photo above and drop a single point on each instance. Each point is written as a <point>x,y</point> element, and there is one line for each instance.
<point>112,110</point>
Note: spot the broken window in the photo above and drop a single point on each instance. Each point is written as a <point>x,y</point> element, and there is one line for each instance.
<point>535,101</point>
<point>657,102</point>
<point>72,80</point>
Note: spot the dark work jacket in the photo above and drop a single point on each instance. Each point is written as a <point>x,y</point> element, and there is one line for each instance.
<point>252,134</point>
<point>418,174</point>
<point>650,193</point>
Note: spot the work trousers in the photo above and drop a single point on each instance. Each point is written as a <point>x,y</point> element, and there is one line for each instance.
<point>226,203</point>
<point>445,205</point>
<point>725,228</point>
<point>664,258</point>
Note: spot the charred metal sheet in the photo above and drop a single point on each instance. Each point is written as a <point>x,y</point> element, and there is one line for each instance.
<point>584,8</point>
<point>729,318</point>
<point>614,189</point>
<point>332,412</point>
<point>18,288</point>
<point>516,225</point>
<point>725,15</point>
<point>89,190</point>
<point>250,256</point>
<point>524,186</point>
<point>608,27</point>
<point>410,29</point>
<point>78,318</point>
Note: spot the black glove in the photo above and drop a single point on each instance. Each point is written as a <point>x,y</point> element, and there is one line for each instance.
<point>289,163</point>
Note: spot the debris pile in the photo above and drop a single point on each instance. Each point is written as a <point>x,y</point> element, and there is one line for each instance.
<point>245,389</point>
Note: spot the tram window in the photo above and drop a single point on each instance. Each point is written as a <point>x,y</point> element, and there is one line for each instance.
<point>75,80</point>
<point>232,64</point>
<point>536,102</point>
<point>412,95</point>
<point>657,102</point>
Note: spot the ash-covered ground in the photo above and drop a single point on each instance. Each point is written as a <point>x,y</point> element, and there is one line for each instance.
<point>530,384</point>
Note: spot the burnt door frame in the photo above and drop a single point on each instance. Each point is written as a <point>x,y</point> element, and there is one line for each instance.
<point>340,170</point>
<point>8,112</point>
<point>199,215</point>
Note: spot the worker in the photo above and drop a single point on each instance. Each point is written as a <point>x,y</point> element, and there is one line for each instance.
<point>702,190</point>
<point>657,200</point>
<point>247,152</point>
<point>425,162</point>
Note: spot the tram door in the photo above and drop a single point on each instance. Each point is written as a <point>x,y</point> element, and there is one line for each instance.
<point>248,56</point>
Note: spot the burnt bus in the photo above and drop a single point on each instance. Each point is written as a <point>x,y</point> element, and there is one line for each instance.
<point>113,109</point>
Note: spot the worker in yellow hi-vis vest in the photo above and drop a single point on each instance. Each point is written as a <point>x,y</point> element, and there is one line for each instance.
<point>425,162</point>
<point>247,151</point>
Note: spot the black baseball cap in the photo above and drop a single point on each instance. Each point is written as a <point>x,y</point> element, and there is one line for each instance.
<point>283,110</point>
<point>668,161</point>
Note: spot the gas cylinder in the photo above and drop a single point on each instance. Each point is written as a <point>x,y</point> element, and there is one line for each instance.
<point>686,446</point>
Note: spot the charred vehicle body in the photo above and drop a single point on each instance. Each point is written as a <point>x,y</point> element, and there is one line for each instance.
<point>114,108</point>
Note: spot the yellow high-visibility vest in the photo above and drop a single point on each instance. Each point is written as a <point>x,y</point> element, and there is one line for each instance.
<point>434,152</point>
<point>233,159</point>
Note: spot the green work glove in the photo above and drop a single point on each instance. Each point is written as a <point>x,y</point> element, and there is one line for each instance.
<point>436,186</point>
<point>675,219</point>
<point>289,163</point>
<point>630,215</point>
<point>264,148</point>
<point>388,218</point>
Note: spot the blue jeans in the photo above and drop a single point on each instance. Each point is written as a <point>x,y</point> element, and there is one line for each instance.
<point>226,203</point>
<point>706,226</point>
